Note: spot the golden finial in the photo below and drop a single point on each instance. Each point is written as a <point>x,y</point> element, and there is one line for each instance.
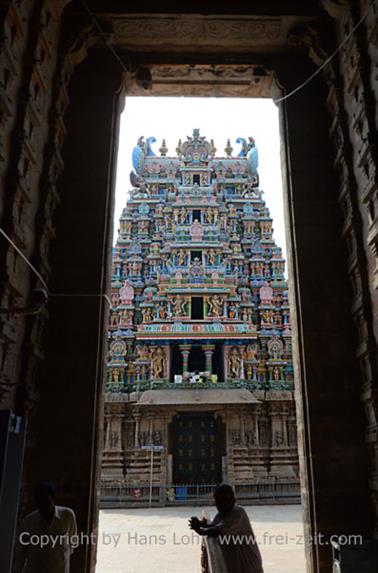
<point>213,149</point>
<point>163,149</point>
<point>178,148</point>
<point>228,149</point>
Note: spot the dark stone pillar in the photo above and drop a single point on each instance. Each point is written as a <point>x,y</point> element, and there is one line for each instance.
<point>330,419</point>
<point>67,430</point>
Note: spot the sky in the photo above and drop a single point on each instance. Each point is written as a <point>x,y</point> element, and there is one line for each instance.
<point>173,118</point>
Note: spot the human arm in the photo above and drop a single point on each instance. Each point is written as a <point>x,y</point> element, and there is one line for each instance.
<point>203,528</point>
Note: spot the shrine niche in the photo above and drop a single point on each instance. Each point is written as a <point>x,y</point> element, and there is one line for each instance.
<point>200,303</point>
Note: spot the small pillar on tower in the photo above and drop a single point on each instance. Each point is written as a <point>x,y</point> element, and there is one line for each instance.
<point>209,351</point>
<point>185,350</point>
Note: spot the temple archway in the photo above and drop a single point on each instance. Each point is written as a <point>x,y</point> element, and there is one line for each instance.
<point>309,194</point>
<point>334,464</point>
<point>308,190</point>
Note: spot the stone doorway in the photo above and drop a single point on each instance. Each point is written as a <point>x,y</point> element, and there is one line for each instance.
<point>333,453</point>
<point>306,186</point>
<point>300,188</point>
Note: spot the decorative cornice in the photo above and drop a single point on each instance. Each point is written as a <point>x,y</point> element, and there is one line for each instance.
<point>186,30</point>
<point>221,80</point>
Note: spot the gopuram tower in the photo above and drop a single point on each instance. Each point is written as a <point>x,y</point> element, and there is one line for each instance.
<point>200,374</point>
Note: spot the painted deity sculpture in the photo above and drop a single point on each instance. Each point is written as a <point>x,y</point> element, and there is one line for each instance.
<point>235,363</point>
<point>179,306</point>
<point>196,231</point>
<point>157,363</point>
<point>215,306</point>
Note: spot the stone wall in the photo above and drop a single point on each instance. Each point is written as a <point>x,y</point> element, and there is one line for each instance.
<point>260,441</point>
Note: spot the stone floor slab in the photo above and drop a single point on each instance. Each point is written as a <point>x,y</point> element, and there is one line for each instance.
<point>159,540</point>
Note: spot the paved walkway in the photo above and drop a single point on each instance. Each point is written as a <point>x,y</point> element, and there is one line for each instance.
<point>159,540</point>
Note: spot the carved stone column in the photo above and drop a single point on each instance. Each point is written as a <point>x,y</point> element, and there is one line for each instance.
<point>226,350</point>
<point>277,441</point>
<point>113,462</point>
<point>209,351</point>
<point>168,353</point>
<point>137,422</point>
<point>107,426</point>
<point>185,351</point>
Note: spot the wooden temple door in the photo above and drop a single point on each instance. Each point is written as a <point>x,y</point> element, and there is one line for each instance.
<point>197,445</point>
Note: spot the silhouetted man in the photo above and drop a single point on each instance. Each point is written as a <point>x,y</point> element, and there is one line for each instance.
<point>45,541</point>
<point>234,533</point>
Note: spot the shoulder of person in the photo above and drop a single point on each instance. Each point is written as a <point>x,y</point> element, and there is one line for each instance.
<point>239,508</point>
<point>66,511</point>
<point>241,511</point>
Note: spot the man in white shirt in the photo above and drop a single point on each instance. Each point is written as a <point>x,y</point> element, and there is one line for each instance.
<point>232,530</point>
<point>47,535</point>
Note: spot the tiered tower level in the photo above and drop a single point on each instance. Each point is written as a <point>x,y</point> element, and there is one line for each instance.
<point>199,333</point>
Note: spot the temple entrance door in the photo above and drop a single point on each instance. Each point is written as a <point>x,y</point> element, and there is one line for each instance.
<point>197,446</point>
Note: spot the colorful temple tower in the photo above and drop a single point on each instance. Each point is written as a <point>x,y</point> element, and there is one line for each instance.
<point>200,361</point>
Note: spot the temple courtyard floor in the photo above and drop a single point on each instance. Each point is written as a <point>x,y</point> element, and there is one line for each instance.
<point>158,539</point>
